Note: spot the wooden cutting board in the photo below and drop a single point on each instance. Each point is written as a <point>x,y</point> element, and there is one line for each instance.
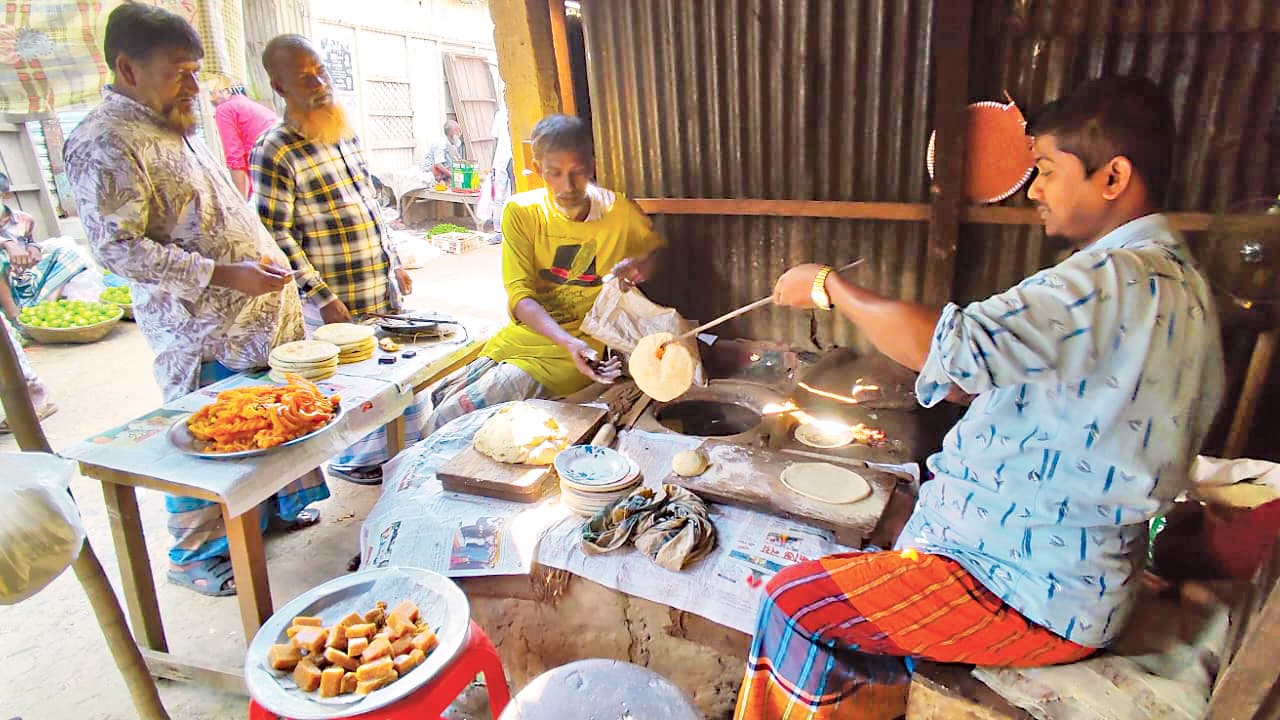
<point>471,472</point>
<point>749,477</point>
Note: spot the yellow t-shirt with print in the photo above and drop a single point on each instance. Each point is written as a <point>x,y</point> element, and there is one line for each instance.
<point>560,263</point>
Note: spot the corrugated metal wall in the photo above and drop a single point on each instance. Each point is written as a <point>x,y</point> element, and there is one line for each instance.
<point>750,99</point>
<point>1219,60</point>
<point>832,99</point>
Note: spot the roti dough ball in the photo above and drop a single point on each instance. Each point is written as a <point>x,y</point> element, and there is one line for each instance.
<point>689,463</point>
<point>662,378</point>
<point>521,433</point>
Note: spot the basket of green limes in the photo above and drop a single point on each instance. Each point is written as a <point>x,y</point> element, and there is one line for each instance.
<point>121,296</point>
<point>69,321</point>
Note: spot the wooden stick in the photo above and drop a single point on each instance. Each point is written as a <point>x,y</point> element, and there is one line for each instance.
<point>742,311</point>
<point>21,416</point>
<point>1264,351</point>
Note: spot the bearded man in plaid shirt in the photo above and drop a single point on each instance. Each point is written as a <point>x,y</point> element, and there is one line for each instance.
<point>316,196</point>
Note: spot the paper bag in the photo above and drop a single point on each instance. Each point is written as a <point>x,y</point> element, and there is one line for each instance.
<point>620,317</point>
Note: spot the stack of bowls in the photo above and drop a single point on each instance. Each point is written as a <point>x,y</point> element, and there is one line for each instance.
<point>592,477</point>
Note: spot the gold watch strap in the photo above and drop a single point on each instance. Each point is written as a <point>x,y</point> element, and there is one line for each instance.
<point>819,291</point>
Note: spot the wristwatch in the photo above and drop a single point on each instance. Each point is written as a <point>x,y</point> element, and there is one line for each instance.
<point>818,293</point>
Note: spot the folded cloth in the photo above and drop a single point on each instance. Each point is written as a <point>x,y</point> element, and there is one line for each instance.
<point>670,525</point>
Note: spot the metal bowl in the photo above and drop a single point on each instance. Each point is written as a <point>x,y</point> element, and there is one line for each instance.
<point>440,602</point>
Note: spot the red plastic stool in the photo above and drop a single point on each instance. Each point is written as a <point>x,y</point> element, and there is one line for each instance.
<point>478,656</point>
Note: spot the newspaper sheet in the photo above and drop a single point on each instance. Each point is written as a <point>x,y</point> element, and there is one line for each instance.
<point>417,523</point>
<point>428,356</point>
<point>725,587</point>
<point>142,447</point>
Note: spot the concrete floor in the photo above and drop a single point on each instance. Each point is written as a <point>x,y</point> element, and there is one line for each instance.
<point>58,664</point>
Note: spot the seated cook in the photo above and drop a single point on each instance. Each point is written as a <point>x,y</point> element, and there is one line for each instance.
<point>1095,382</point>
<point>556,240</point>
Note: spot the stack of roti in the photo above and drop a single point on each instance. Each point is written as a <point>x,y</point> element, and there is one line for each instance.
<point>311,359</point>
<point>355,342</point>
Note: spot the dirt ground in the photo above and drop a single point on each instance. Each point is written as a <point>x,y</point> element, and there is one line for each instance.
<point>58,664</point>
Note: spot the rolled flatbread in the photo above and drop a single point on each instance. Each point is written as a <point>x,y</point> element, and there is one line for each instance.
<point>826,482</point>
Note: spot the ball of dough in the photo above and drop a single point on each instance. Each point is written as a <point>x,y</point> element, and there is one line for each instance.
<point>521,433</point>
<point>689,463</point>
<point>661,378</point>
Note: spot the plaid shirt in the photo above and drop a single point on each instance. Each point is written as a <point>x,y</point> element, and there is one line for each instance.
<point>319,203</point>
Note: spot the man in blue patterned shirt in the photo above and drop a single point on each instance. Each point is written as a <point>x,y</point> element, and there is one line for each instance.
<point>1094,383</point>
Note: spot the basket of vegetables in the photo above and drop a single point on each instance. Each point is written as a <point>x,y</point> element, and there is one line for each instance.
<point>121,296</point>
<point>455,239</point>
<point>69,321</point>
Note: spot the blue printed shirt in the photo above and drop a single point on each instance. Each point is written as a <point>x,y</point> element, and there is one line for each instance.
<point>1096,381</point>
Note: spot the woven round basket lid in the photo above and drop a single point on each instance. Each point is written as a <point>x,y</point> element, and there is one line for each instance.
<point>998,157</point>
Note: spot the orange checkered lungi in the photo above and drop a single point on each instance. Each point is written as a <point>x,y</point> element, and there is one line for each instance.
<point>838,637</point>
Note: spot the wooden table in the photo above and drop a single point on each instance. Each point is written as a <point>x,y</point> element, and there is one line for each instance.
<point>237,487</point>
<point>469,201</point>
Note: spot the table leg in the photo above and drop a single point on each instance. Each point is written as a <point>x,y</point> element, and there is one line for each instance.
<point>135,565</point>
<point>249,562</point>
<point>395,436</point>
<point>475,216</point>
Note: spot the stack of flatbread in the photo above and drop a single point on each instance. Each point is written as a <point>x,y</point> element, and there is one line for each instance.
<point>311,359</point>
<point>355,342</point>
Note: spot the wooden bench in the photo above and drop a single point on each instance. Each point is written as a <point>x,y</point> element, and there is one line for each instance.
<point>1245,689</point>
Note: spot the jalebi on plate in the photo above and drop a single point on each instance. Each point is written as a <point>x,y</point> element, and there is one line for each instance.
<point>262,416</point>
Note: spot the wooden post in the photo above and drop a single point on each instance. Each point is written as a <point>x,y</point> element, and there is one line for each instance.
<point>21,416</point>
<point>527,60</point>
<point>564,70</point>
<point>952,30</point>
<point>1264,352</point>
<point>51,127</point>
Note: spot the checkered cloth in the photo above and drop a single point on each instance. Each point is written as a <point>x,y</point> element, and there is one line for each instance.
<point>838,636</point>
<point>51,50</point>
<point>319,203</point>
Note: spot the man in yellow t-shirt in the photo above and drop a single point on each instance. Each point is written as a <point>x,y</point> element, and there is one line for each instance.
<point>557,243</point>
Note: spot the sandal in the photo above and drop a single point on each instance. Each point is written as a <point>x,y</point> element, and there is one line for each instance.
<point>46,411</point>
<point>359,476</point>
<point>219,581</point>
<point>305,519</point>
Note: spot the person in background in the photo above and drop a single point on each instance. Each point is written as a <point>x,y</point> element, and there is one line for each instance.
<point>556,241</point>
<point>1096,381</point>
<point>316,197</point>
<point>447,151</point>
<point>241,121</point>
<point>212,291</point>
<point>36,390</point>
<point>28,274</point>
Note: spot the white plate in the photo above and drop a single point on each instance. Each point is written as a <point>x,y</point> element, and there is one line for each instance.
<point>629,480</point>
<point>182,439</point>
<point>826,434</point>
<point>590,466</point>
<point>440,603</point>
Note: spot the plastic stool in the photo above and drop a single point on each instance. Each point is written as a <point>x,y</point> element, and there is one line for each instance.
<point>478,656</point>
<point>610,688</point>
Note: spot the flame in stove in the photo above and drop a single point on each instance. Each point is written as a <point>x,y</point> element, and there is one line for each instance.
<point>850,399</point>
<point>861,433</point>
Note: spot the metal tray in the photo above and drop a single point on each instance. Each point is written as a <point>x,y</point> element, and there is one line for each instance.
<point>440,602</point>
<point>182,439</point>
<point>421,324</point>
